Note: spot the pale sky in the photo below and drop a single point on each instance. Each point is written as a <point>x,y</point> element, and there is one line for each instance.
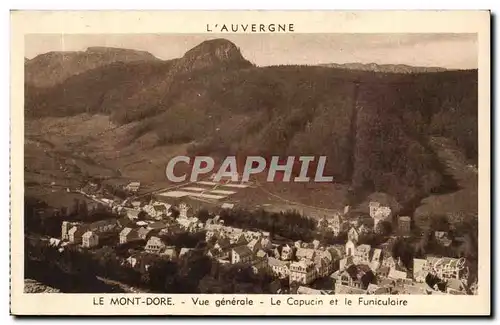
<point>452,51</point>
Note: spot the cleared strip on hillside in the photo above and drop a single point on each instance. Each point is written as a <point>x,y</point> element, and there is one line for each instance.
<point>222,192</point>
<point>207,183</point>
<point>194,189</point>
<point>235,185</point>
<point>179,194</point>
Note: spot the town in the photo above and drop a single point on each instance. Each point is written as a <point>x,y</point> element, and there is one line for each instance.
<point>142,228</point>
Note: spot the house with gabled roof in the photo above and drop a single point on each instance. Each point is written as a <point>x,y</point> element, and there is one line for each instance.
<point>419,270</point>
<point>350,248</point>
<point>278,267</point>
<point>374,289</point>
<point>331,254</point>
<point>128,235</point>
<point>104,226</point>
<point>76,232</point>
<point>456,287</point>
<point>337,224</point>
<point>305,253</point>
<point>241,254</point>
<point>341,289</point>
<point>140,261</point>
<point>302,290</point>
<point>358,276</point>
<point>287,252</point>
<point>154,245</point>
<point>157,211</point>
<point>227,206</point>
<point>157,225</point>
<point>362,254</point>
<point>222,244</point>
<point>143,232</point>
<point>266,243</point>
<point>170,252</point>
<point>132,214</point>
<point>446,267</point>
<point>303,272</point>
<point>133,187</point>
<point>90,239</point>
<point>213,253</point>
<point>379,212</point>
<point>389,262</point>
<point>254,245</point>
<point>383,271</point>
<point>396,274</point>
<point>353,235</point>
<point>322,265</point>
<point>259,263</point>
<point>345,262</point>
<point>261,254</point>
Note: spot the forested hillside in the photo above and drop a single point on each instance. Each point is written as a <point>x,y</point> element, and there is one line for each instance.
<point>373,126</point>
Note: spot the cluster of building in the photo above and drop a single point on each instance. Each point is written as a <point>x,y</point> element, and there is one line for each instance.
<point>88,235</point>
<point>373,270</point>
<point>377,213</point>
<point>130,228</point>
<point>351,268</point>
<point>301,262</point>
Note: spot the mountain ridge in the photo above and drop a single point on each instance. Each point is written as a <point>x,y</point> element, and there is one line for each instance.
<point>387,68</point>
<point>51,68</point>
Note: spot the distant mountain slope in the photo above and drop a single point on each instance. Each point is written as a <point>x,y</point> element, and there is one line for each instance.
<point>385,68</point>
<point>373,127</point>
<point>51,68</point>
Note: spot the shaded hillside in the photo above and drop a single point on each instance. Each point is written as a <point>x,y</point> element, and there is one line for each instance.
<point>374,127</point>
<point>49,69</point>
<point>385,68</point>
<point>99,90</point>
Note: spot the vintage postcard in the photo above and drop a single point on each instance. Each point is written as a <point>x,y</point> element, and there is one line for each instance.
<point>250,163</point>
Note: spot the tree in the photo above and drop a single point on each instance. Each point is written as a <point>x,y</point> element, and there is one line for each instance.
<point>440,223</point>
<point>403,250</point>
<point>83,210</point>
<point>383,228</point>
<point>142,215</point>
<point>294,286</point>
<point>203,215</point>
<point>75,208</point>
<point>161,274</point>
<point>175,212</point>
<point>423,245</point>
<point>191,270</point>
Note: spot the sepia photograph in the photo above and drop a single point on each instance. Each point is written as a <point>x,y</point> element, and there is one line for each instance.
<point>238,162</point>
<point>397,125</point>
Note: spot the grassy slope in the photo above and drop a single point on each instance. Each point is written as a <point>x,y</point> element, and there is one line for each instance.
<point>374,134</point>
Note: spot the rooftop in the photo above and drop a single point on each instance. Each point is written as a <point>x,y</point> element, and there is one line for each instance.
<point>363,248</point>
<point>242,250</point>
<point>276,262</point>
<point>160,207</point>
